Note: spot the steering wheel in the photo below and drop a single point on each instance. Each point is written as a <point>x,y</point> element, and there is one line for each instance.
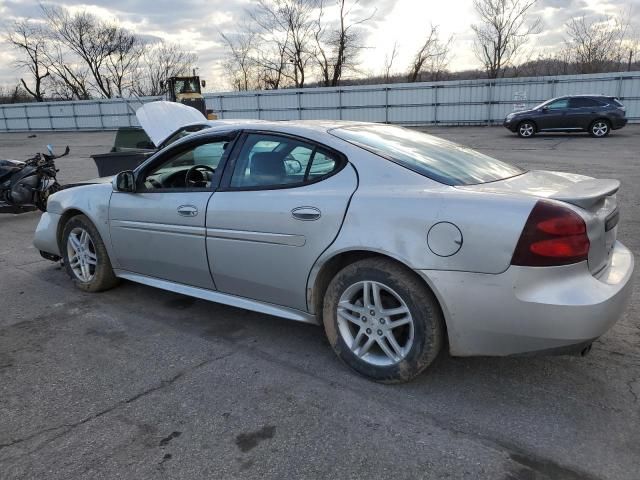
<point>203,176</point>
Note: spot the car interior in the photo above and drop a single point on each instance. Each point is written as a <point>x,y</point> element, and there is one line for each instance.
<point>279,161</point>
<point>193,168</point>
<point>265,160</point>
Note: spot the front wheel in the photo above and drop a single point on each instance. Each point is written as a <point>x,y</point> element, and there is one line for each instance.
<point>599,129</point>
<point>382,320</point>
<point>526,129</point>
<point>85,256</point>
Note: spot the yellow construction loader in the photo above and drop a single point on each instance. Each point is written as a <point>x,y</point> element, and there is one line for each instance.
<point>186,90</point>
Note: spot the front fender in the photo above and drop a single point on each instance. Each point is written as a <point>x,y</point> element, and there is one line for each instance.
<point>89,200</point>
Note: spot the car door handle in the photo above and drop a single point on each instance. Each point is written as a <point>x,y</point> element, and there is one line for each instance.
<point>187,210</point>
<point>306,213</point>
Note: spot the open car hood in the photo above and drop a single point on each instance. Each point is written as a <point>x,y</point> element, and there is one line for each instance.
<point>161,119</point>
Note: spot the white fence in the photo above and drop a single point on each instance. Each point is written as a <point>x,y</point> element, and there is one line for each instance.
<point>468,102</point>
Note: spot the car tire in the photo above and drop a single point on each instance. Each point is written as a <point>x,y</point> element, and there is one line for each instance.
<point>599,128</point>
<point>85,256</point>
<point>364,336</point>
<point>526,129</point>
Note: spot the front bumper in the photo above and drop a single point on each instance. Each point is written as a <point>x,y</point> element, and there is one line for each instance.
<point>510,124</point>
<point>530,309</point>
<point>46,236</point>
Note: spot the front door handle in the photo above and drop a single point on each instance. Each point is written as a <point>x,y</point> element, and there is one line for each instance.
<point>306,213</point>
<point>188,210</point>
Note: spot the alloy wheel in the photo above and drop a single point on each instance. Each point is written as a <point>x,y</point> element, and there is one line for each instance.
<point>600,129</point>
<point>81,253</point>
<point>526,129</point>
<point>375,323</point>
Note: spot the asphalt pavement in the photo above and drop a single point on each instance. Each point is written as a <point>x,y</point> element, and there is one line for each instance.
<point>139,383</point>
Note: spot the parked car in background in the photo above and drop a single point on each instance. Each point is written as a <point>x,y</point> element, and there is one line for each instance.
<point>596,114</point>
<point>398,242</point>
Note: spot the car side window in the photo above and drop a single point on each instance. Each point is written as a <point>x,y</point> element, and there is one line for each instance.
<point>322,165</point>
<point>559,104</point>
<point>580,102</point>
<point>172,173</point>
<point>271,161</point>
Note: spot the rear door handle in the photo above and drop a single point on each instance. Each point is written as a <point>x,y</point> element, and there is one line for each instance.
<point>187,210</point>
<point>306,213</point>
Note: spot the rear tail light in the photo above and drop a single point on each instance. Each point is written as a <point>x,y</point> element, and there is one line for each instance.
<point>553,235</point>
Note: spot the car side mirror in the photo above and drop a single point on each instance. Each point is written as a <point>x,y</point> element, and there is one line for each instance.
<point>545,108</point>
<point>124,182</point>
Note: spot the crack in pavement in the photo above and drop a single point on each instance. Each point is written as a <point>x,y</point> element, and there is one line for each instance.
<point>631,390</point>
<point>70,426</point>
<point>539,464</point>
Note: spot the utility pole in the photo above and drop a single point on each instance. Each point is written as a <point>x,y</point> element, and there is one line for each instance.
<point>630,57</point>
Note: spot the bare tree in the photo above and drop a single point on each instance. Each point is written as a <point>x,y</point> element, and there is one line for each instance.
<point>239,62</point>
<point>29,39</point>
<point>92,40</point>
<point>504,28</point>
<point>595,43</point>
<point>389,58</point>
<point>632,44</point>
<point>110,53</point>
<point>337,48</point>
<point>433,54</point>
<point>160,61</point>
<point>285,30</point>
<point>123,62</point>
<point>15,94</point>
<point>69,80</point>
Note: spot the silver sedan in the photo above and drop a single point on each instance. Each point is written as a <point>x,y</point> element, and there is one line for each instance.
<point>398,242</point>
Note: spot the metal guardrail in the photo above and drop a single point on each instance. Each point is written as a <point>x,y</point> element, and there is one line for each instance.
<point>465,102</point>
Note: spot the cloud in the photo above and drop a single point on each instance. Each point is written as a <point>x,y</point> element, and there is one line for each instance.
<point>196,24</point>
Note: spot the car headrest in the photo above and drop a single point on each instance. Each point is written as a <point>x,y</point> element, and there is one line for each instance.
<point>267,165</point>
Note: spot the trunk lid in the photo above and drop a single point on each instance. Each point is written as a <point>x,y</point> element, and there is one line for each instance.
<point>595,200</point>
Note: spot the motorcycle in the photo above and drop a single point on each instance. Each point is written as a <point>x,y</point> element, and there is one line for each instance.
<point>26,186</point>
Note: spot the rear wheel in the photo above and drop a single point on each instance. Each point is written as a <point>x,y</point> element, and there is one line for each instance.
<point>599,128</point>
<point>85,256</point>
<point>382,320</point>
<point>526,129</point>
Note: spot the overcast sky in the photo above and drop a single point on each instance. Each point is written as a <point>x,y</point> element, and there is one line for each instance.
<point>196,24</point>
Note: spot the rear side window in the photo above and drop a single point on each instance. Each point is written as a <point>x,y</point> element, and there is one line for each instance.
<point>433,157</point>
<point>580,102</point>
<point>271,161</point>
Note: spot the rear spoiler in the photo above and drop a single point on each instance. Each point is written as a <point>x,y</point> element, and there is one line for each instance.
<point>587,193</point>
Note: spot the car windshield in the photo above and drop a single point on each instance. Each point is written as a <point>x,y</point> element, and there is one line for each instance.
<point>433,157</point>
<point>542,104</point>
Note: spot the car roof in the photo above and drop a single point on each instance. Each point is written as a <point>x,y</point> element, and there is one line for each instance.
<point>585,95</point>
<point>301,127</point>
<point>313,125</point>
<point>312,129</point>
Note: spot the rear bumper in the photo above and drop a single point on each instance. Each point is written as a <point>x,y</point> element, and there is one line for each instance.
<point>618,122</point>
<point>525,309</point>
